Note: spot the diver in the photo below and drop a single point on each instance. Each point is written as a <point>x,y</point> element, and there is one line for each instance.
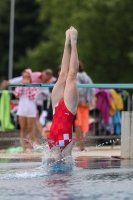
<point>65,100</point>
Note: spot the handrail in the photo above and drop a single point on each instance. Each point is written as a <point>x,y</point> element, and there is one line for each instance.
<point>96,85</point>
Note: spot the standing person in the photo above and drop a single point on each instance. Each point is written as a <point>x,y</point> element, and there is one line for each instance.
<point>46,128</point>
<point>86,96</point>
<point>46,77</point>
<point>27,108</point>
<point>65,99</point>
<point>50,110</point>
<point>43,97</point>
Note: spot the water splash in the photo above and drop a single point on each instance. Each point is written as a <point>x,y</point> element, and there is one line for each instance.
<point>53,160</point>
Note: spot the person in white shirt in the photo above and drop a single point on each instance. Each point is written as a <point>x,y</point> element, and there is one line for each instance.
<point>46,77</point>
<point>26,109</point>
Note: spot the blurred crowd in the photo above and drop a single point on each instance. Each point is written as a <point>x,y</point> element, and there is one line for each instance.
<point>35,107</point>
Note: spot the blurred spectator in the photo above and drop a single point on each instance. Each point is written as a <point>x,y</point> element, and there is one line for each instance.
<point>46,77</point>
<point>26,108</point>
<point>86,96</point>
<point>49,105</point>
<point>48,124</point>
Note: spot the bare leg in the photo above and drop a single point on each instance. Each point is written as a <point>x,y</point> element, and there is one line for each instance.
<point>71,92</point>
<point>58,91</point>
<point>84,137</point>
<point>78,136</point>
<point>38,125</point>
<point>23,125</point>
<point>30,127</point>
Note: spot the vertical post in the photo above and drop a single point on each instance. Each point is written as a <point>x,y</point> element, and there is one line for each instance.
<point>131,141</point>
<point>127,135</point>
<point>132,102</point>
<point>11,39</point>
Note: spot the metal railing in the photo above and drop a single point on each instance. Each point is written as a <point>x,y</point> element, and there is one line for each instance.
<point>99,130</point>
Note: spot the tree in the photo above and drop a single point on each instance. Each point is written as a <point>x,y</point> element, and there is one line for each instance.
<point>27,31</point>
<point>4,35</point>
<point>105,42</point>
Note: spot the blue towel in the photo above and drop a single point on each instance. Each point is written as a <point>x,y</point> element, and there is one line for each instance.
<point>117,122</point>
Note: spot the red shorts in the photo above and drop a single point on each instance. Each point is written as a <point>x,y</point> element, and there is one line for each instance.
<point>61,129</point>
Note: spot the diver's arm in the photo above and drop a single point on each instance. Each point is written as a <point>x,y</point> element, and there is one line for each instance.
<point>67,151</point>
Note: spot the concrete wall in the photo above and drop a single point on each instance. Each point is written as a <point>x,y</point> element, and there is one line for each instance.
<point>127,135</point>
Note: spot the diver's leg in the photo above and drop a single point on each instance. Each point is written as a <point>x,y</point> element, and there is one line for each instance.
<point>58,90</point>
<point>71,92</point>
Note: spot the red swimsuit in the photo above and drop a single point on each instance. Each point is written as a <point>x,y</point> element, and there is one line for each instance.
<point>61,129</point>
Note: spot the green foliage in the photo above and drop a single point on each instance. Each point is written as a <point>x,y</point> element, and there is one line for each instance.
<point>4,35</point>
<point>26,31</point>
<point>105,43</point>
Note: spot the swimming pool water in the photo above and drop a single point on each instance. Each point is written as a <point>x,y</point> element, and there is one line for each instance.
<point>93,178</point>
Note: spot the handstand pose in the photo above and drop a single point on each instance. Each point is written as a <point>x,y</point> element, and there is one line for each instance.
<point>65,97</point>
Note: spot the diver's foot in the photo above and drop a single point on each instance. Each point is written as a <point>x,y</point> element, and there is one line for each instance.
<point>73,35</point>
<point>68,41</point>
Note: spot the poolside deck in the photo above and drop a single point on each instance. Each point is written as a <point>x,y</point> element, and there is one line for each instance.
<point>105,151</point>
